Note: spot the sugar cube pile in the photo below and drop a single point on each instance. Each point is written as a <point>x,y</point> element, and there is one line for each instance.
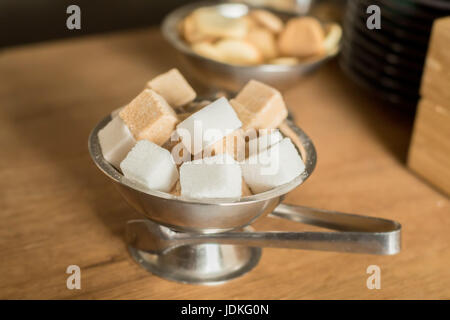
<point>204,149</point>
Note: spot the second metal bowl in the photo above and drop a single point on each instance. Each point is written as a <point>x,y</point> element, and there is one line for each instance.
<point>228,76</point>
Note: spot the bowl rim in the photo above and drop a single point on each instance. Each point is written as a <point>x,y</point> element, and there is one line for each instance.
<point>170,32</point>
<point>307,151</point>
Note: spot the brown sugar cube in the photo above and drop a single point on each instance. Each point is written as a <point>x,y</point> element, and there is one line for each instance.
<point>264,41</point>
<point>267,20</point>
<point>302,37</point>
<point>149,117</point>
<point>247,117</point>
<point>173,87</point>
<point>233,144</point>
<point>176,190</point>
<point>264,104</point>
<point>245,189</point>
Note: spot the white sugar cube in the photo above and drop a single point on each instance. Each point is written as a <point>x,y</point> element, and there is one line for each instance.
<point>151,165</point>
<point>208,125</point>
<point>116,141</point>
<point>214,177</point>
<point>266,139</point>
<point>272,167</point>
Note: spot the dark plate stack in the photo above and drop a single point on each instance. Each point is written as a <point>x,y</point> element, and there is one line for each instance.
<point>389,61</point>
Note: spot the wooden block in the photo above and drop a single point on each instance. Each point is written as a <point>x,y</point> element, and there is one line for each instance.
<point>429,153</point>
<point>440,41</point>
<point>149,117</point>
<point>264,106</point>
<point>436,75</point>
<point>173,87</point>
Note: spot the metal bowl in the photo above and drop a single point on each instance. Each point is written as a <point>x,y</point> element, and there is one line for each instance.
<point>228,76</point>
<point>208,215</point>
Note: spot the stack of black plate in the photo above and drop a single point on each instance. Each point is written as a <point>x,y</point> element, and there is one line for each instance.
<point>389,61</point>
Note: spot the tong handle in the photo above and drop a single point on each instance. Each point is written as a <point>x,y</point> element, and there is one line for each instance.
<point>356,234</point>
<point>335,220</point>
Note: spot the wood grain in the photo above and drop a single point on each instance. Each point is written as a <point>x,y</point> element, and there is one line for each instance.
<point>58,209</point>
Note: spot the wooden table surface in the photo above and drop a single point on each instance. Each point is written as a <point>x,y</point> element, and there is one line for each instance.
<point>58,210</point>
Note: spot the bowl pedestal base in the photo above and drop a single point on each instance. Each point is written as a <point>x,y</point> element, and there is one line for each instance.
<point>199,264</point>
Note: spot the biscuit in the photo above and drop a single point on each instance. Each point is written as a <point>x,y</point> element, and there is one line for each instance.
<point>289,61</point>
<point>264,41</point>
<point>211,23</point>
<point>208,50</point>
<point>302,37</point>
<point>190,32</point>
<point>239,52</point>
<point>267,20</point>
<point>332,38</point>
